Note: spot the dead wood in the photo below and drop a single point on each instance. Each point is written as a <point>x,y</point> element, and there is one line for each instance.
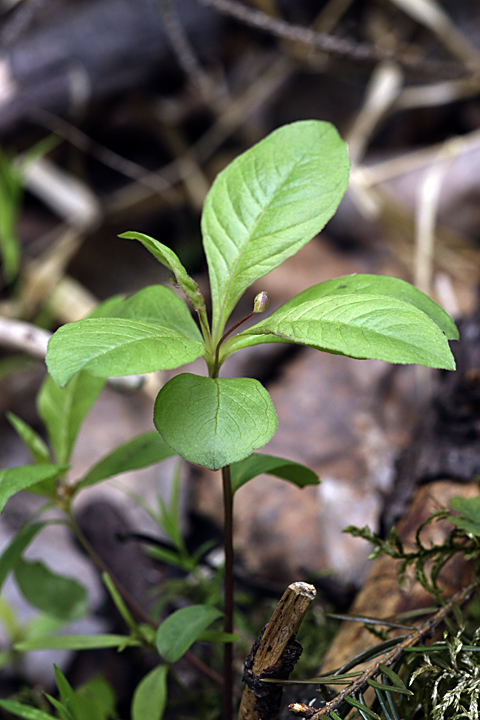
<point>91,51</point>
<point>274,654</point>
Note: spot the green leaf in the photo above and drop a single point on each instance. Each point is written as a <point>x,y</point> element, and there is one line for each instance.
<point>139,452</point>
<point>360,326</point>
<point>361,707</point>
<point>67,695</point>
<point>24,711</point>
<point>383,687</point>
<point>469,509</point>
<point>76,642</point>
<point>182,628</point>
<point>267,204</point>
<point>115,347</point>
<point>150,696</point>
<point>467,526</point>
<point>53,594</point>
<point>24,477</point>
<point>382,285</point>
<point>33,441</point>
<point>353,285</point>
<point>62,712</point>
<point>214,422</point>
<point>95,700</point>
<point>393,677</point>
<point>258,464</point>
<point>10,199</point>
<point>157,304</point>
<point>170,260</point>
<point>119,603</point>
<point>14,550</point>
<point>64,409</point>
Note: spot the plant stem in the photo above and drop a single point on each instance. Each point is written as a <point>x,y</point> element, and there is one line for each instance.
<point>98,562</point>
<point>228,593</point>
<point>223,338</point>
<point>142,615</point>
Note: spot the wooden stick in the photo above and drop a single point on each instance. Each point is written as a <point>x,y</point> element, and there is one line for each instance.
<point>274,653</point>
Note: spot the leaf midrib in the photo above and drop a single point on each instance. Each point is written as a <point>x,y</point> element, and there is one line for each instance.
<point>252,232</point>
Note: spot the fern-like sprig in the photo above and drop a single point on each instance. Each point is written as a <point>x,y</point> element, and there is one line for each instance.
<point>452,672</point>
<point>451,667</point>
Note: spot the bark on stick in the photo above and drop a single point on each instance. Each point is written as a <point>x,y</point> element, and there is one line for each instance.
<point>274,654</point>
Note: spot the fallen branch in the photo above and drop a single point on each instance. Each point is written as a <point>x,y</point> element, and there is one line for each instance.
<point>274,654</point>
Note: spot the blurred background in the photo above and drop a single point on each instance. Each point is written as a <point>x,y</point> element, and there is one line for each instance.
<point>116,115</point>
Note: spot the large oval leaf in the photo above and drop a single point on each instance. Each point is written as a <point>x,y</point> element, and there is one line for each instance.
<point>353,285</point>
<point>112,347</point>
<point>364,326</point>
<point>384,285</point>
<point>214,422</point>
<point>267,204</point>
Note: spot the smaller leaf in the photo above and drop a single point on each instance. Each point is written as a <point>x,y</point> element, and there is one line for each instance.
<point>10,198</point>
<point>382,701</point>
<point>53,594</point>
<point>389,688</point>
<point>64,409</point>
<point>76,642</point>
<point>150,696</point>
<point>214,421</point>
<point>24,711</point>
<point>119,602</point>
<point>170,260</point>
<point>139,452</point>
<point>62,711</point>
<point>14,550</point>
<point>157,304</point>
<point>372,652</point>
<point>469,510</point>
<point>257,464</point>
<point>12,480</point>
<point>364,709</point>
<point>112,347</point>
<point>182,628</point>
<point>33,441</point>
<point>392,676</point>
<point>95,700</point>
<point>67,696</point>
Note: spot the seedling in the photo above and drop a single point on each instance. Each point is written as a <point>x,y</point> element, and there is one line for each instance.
<point>264,207</point>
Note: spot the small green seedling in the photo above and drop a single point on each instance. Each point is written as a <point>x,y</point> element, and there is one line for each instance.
<point>264,207</point>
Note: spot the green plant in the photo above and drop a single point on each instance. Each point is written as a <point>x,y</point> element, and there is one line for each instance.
<point>260,211</point>
<point>410,675</point>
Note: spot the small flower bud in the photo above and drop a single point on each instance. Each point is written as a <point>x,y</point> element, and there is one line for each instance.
<point>261,302</point>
